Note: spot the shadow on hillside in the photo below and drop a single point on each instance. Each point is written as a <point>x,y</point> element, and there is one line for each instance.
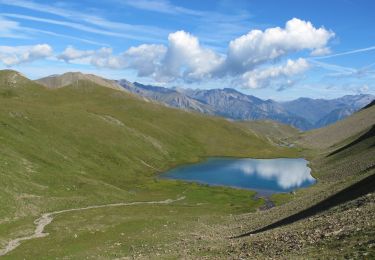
<point>367,135</point>
<point>363,187</point>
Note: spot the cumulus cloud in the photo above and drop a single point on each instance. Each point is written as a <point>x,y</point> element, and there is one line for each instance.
<point>257,47</point>
<point>259,78</point>
<point>146,59</point>
<point>185,59</point>
<point>11,56</point>
<point>102,57</point>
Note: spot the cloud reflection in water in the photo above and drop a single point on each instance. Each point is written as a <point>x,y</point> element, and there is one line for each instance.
<point>288,173</point>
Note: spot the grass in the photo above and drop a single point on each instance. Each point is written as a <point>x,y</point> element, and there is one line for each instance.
<point>281,198</point>
<point>274,131</point>
<point>84,145</point>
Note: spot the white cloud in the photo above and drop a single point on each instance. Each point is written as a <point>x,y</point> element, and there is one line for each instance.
<point>145,59</point>
<point>70,53</point>
<point>321,51</point>
<point>363,89</point>
<point>259,78</point>
<point>257,47</point>
<point>10,29</point>
<point>11,56</point>
<point>161,6</point>
<point>81,19</point>
<point>102,57</point>
<point>185,59</point>
<point>371,48</point>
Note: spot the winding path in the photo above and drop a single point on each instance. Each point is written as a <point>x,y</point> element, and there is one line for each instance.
<point>47,218</point>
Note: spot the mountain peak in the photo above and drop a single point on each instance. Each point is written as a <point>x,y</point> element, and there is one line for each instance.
<point>12,78</point>
<point>68,78</point>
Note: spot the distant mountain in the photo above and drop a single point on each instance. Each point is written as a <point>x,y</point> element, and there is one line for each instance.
<point>233,104</point>
<point>225,102</point>
<point>356,124</point>
<point>167,96</point>
<point>302,113</point>
<point>321,112</point>
<point>58,81</point>
<point>334,116</point>
<point>369,105</point>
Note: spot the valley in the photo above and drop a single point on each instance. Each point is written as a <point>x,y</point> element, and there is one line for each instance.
<point>87,154</point>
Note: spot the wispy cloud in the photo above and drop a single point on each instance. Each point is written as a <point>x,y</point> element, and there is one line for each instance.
<point>33,30</point>
<point>228,25</point>
<point>77,26</point>
<point>11,29</point>
<point>371,48</point>
<point>345,72</point>
<point>160,6</point>
<point>331,67</point>
<point>88,23</point>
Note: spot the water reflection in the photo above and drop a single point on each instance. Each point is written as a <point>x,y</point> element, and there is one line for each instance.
<point>288,173</point>
<point>266,176</point>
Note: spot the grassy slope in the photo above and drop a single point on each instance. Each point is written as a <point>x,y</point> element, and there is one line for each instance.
<point>84,145</point>
<point>86,171</point>
<point>273,131</point>
<point>58,81</point>
<point>324,138</point>
<point>346,230</point>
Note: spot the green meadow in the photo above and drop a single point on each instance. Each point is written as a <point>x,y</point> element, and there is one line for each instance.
<point>85,145</point>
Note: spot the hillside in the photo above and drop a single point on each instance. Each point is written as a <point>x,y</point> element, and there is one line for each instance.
<point>86,144</point>
<point>10,80</point>
<point>350,127</point>
<point>69,78</point>
<point>332,220</point>
<point>274,131</point>
<point>88,156</point>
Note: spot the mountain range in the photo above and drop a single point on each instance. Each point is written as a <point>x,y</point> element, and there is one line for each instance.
<point>302,113</point>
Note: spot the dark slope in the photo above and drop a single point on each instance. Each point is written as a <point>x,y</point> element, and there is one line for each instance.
<point>361,188</point>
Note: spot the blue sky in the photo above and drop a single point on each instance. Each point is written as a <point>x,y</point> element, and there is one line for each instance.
<point>271,49</point>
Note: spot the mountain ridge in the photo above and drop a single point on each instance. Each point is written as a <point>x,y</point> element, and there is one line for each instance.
<point>302,113</point>
<point>68,78</point>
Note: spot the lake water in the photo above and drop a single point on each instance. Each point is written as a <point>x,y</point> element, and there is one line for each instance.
<point>266,176</point>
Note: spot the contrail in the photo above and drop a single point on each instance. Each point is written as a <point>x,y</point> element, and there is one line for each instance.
<point>346,53</point>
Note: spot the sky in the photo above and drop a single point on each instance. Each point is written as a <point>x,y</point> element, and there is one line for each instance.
<point>277,50</point>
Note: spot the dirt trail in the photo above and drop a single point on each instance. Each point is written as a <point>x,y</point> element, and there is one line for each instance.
<point>47,218</point>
